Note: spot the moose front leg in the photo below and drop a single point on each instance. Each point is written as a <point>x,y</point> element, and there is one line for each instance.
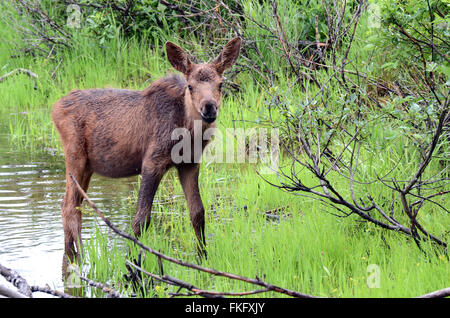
<point>188,174</point>
<point>151,177</point>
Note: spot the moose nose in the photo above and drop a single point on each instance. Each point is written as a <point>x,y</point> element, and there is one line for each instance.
<point>209,112</point>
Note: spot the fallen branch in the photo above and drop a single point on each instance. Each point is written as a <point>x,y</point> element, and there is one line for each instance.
<point>104,288</point>
<point>437,294</point>
<point>18,281</point>
<point>17,71</point>
<point>10,293</point>
<point>172,281</point>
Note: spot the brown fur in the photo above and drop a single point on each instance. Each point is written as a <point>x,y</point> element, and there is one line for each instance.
<point>119,133</point>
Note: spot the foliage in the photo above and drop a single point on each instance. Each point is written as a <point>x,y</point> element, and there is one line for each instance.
<point>379,86</point>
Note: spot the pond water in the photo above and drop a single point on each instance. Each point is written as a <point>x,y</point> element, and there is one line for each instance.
<point>31,234</point>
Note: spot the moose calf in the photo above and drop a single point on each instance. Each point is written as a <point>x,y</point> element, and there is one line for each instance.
<point>119,133</point>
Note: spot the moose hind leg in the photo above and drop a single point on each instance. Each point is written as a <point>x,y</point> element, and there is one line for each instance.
<point>71,215</point>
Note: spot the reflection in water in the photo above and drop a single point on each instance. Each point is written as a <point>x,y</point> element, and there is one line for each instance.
<point>31,233</point>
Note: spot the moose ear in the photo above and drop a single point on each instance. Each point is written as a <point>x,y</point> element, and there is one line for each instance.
<point>178,58</point>
<point>228,56</point>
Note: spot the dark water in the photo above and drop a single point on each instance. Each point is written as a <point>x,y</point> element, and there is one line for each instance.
<point>31,233</point>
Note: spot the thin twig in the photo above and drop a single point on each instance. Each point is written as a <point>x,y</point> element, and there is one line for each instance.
<point>50,291</point>
<point>103,287</point>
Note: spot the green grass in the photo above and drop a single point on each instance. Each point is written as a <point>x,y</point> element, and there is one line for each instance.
<point>308,249</point>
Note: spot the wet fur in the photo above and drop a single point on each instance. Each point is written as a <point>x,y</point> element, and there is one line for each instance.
<point>115,128</point>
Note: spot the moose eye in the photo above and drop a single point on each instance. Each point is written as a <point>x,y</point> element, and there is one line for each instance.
<point>220,86</point>
<point>190,88</point>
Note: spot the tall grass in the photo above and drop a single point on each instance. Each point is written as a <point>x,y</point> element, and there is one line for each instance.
<point>307,249</point>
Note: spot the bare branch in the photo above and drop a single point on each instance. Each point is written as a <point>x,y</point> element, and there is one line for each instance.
<point>18,281</point>
<point>438,293</point>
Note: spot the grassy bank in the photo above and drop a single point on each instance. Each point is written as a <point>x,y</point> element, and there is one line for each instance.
<point>306,249</point>
<point>253,229</point>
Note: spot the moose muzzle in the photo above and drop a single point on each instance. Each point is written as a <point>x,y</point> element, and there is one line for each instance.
<point>209,112</point>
